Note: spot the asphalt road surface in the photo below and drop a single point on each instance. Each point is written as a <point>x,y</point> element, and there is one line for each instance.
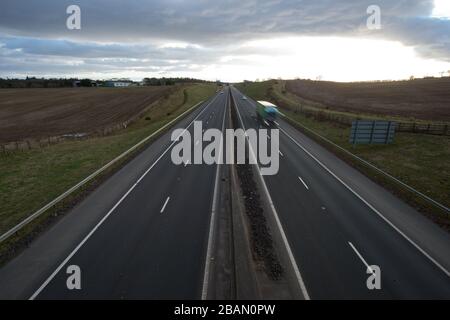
<point>337,222</point>
<point>143,234</point>
<point>144,241</point>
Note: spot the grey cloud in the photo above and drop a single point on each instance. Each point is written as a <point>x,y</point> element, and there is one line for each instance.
<point>125,30</point>
<point>44,57</point>
<point>430,37</point>
<point>196,21</point>
<point>96,50</point>
<point>26,66</point>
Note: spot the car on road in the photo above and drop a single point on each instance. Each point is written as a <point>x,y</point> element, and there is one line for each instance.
<point>244,98</point>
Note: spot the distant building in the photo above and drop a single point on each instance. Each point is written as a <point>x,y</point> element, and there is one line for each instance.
<point>85,83</point>
<point>117,84</point>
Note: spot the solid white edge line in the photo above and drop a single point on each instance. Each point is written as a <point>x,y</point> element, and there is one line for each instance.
<point>165,204</point>
<point>360,257</point>
<point>422,195</point>
<point>306,186</point>
<point>442,268</point>
<point>212,222</point>
<point>86,238</point>
<point>300,281</point>
<point>370,206</point>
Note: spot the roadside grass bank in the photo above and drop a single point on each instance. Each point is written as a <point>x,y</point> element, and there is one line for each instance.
<point>276,89</point>
<point>424,99</point>
<point>30,179</point>
<point>419,160</point>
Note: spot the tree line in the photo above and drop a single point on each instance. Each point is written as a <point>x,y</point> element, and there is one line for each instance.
<point>33,82</point>
<point>169,81</point>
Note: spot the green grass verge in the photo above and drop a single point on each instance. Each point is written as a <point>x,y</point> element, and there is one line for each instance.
<point>31,179</point>
<point>416,159</point>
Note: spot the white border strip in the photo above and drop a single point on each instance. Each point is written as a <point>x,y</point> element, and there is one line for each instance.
<point>369,205</point>
<point>362,199</point>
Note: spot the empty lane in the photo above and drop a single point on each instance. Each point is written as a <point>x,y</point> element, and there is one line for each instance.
<point>322,219</point>
<point>149,238</point>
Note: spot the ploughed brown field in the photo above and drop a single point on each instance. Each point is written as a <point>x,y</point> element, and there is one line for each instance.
<point>39,113</point>
<point>426,99</point>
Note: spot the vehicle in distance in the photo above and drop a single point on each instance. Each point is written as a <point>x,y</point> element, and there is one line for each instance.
<point>244,98</point>
<point>266,112</point>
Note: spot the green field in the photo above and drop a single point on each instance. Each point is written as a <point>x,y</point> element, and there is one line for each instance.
<point>30,179</point>
<point>419,160</point>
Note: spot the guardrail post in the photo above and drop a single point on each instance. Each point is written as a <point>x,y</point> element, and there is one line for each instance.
<point>371,132</point>
<point>354,133</point>
<point>388,133</point>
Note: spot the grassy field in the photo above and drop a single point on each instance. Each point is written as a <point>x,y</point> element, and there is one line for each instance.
<point>417,159</point>
<point>279,90</point>
<point>30,179</point>
<point>418,99</point>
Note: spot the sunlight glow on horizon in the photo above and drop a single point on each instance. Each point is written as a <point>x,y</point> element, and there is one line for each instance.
<point>441,9</point>
<point>342,59</point>
<point>326,58</point>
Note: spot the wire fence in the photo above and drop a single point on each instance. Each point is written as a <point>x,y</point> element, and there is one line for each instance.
<point>403,185</point>
<point>83,182</point>
<point>40,143</point>
<point>442,129</point>
<point>43,142</point>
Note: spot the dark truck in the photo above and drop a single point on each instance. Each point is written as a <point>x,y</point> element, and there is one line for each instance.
<point>266,112</point>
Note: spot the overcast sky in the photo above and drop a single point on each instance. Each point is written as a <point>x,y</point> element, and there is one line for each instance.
<point>229,40</point>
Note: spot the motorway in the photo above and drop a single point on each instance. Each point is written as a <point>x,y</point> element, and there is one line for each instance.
<point>144,233</point>
<point>337,222</point>
<point>141,235</point>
